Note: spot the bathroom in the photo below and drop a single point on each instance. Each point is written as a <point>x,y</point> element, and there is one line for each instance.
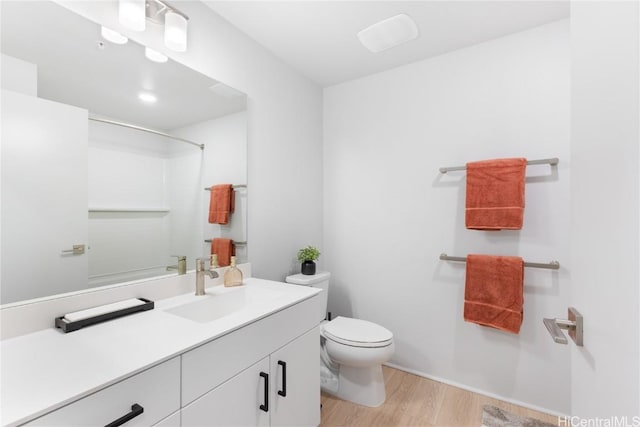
<point>350,163</point>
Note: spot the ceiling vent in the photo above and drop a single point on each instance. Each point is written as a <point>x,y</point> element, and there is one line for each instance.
<point>388,33</point>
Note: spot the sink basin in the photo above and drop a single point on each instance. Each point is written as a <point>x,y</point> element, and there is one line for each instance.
<point>223,302</point>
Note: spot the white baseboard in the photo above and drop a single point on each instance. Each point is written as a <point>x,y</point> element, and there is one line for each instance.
<point>478,391</point>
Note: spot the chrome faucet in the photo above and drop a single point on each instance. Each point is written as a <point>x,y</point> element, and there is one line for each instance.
<point>200,272</point>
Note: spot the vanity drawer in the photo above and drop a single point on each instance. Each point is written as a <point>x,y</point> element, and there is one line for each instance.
<point>209,365</point>
<point>156,390</point>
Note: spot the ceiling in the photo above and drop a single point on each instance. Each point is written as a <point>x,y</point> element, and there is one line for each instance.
<point>318,38</point>
<point>72,69</point>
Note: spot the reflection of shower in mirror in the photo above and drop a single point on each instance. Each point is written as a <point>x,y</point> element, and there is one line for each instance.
<point>133,198</point>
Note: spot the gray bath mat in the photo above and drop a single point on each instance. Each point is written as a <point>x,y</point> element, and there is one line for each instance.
<point>496,417</point>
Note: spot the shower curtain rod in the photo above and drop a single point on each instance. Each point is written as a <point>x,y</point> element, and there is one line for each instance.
<point>155,132</point>
<point>553,265</point>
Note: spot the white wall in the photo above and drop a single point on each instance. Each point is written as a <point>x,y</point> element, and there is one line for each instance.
<point>605,214</point>
<point>18,75</point>
<point>389,213</point>
<point>284,129</point>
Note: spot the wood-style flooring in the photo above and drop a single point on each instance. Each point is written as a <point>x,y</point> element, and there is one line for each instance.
<point>417,401</point>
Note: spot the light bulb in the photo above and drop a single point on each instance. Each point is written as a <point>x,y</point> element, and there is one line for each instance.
<point>175,31</point>
<point>132,14</point>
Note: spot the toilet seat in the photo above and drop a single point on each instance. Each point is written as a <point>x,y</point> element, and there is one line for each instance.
<point>357,333</point>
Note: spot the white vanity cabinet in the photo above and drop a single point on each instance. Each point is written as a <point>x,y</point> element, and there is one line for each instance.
<point>259,366</point>
<point>239,379</point>
<point>147,398</point>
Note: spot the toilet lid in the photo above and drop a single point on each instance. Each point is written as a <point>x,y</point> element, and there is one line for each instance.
<point>356,332</point>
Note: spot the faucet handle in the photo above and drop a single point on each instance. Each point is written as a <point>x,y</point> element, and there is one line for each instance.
<point>180,257</point>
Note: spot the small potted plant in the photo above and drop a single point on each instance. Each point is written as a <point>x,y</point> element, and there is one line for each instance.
<point>307,256</point>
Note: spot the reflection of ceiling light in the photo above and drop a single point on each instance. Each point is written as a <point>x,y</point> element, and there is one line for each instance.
<point>147,97</point>
<point>388,33</point>
<point>154,55</point>
<point>113,36</point>
<point>132,14</point>
<point>175,31</point>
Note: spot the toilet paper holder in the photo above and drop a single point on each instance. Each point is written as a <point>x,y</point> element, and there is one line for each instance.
<point>574,326</point>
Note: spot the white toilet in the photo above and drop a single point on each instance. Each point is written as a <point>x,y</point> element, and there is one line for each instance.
<point>352,351</point>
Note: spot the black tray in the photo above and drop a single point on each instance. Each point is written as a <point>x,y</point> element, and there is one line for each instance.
<point>78,324</point>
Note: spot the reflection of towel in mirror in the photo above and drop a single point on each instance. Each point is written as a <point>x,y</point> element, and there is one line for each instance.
<point>225,249</point>
<point>493,291</point>
<point>495,194</point>
<point>221,203</point>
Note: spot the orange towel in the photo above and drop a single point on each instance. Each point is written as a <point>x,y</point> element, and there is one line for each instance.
<point>495,194</point>
<point>493,291</point>
<point>225,248</point>
<point>221,203</point>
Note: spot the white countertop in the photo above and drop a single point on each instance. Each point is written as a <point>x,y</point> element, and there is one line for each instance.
<point>45,370</point>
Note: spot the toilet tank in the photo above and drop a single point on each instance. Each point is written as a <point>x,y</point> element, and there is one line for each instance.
<point>318,280</point>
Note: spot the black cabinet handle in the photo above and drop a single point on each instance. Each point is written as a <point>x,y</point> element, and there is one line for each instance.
<point>283,392</point>
<point>135,411</point>
<point>265,406</point>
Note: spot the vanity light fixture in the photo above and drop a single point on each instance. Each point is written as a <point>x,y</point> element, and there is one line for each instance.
<point>388,33</point>
<point>147,97</point>
<point>154,55</point>
<point>175,31</point>
<point>113,36</point>
<point>132,14</point>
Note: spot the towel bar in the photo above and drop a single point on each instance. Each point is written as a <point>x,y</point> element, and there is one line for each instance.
<point>552,161</point>
<point>553,265</point>
<point>234,242</point>
<point>235,186</point>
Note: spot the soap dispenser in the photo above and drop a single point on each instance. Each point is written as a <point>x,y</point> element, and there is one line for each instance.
<point>233,275</point>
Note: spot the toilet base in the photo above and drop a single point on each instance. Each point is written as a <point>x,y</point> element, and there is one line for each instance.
<point>364,386</point>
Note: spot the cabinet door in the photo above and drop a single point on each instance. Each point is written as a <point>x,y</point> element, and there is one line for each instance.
<point>295,369</point>
<point>235,402</point>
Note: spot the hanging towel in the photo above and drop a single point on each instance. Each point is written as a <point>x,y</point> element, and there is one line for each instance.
<point>225,248</point>
<point>495,194</point>
<point>221,203</point>
<point>493,291</point>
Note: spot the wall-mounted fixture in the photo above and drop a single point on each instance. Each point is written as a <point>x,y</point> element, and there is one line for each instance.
<point>388,33</point>
<point>134,13</point>
<point>131,14</point>
<point>573,323</point>
<point>175,31</point>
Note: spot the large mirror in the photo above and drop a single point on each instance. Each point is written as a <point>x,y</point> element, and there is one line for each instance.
<point>92,193</point>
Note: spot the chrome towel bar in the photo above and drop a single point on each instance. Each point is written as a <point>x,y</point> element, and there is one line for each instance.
<point>553,265</point>
<point>552,161</point>
<point>234,242</point>
<point>235,186</point>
